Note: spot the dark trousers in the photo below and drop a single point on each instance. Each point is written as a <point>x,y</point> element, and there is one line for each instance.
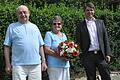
<point>94,61</point>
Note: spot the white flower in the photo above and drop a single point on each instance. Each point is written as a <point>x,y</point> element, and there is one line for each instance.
<point>62,52</point>
<point>70,50</point>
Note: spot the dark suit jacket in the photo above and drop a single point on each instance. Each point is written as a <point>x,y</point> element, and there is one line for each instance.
<point>83,37</point>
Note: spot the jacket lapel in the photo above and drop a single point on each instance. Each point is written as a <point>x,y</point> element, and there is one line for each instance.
<point>85,27</point>
<point>97,27</point>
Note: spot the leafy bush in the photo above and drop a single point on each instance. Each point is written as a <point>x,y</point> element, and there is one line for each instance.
<point>71,16</point>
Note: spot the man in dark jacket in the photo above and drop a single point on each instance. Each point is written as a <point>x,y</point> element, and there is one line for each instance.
<point>92,37</point>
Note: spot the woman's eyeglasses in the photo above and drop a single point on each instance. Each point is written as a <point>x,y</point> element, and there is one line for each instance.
<point>56,23</point>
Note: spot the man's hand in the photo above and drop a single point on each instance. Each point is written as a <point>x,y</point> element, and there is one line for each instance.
<point>108,58</point>
<point>8,69</point>
<point>44,66</point>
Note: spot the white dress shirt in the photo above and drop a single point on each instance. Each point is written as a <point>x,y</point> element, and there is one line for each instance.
<point>91,26</point>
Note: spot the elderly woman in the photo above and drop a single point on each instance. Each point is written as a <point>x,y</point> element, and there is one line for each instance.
<point>58,68</point>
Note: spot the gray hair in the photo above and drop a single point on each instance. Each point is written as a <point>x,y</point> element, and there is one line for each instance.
<point>57,18</point>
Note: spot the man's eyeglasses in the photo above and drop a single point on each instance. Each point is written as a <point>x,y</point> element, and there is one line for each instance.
<point>56,23</point>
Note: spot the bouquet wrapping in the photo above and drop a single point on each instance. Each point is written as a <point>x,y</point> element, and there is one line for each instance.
<point>68,50</point>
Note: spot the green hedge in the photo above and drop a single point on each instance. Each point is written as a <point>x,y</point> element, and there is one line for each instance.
<point>70,16</point>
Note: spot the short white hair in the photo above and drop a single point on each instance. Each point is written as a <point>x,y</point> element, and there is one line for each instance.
<point>21,7</point>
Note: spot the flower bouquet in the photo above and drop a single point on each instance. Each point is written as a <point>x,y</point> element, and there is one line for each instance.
<point>68,50</point>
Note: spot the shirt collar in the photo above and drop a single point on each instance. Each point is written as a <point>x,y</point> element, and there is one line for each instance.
<point>92,19</point>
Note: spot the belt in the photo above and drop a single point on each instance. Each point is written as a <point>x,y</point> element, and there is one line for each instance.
<point>95,52</point>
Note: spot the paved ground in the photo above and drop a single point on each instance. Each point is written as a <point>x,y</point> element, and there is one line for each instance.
<point>114,76</point>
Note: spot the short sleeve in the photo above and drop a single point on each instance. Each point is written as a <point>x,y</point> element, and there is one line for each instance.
<point>65,37</point>
<point>48,39</point>
<point>8,37</point>
<point>41,42</point>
